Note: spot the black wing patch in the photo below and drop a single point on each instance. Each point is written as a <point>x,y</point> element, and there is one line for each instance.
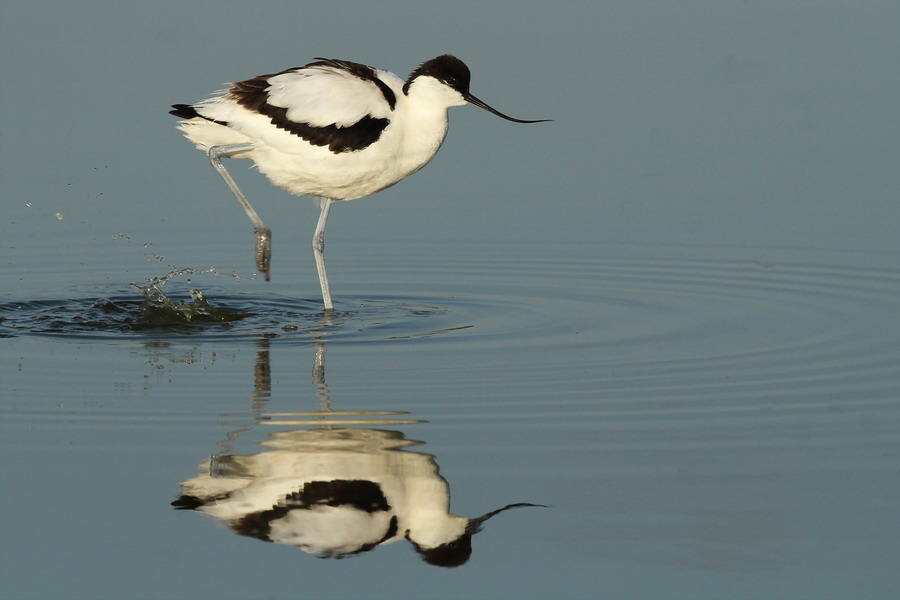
<point>251,94</point>
<point>362,495</point>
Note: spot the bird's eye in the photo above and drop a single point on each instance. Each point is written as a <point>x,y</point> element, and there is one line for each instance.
<point>451,81</point>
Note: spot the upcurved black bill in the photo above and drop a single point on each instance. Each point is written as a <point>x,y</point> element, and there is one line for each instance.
<point>473,100</point>
<point>474,525</point>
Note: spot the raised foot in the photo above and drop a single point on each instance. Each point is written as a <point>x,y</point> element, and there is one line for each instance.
<point>263,253</point>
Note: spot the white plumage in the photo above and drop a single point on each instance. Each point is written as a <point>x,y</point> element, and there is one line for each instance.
<point>325,95</point>
<point>333,129</point>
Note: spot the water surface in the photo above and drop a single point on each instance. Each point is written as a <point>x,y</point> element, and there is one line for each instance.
<point>669,316</point>
<point>727,422</point>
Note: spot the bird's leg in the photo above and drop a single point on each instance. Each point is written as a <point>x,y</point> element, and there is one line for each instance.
<point>318,244</point>
<point>263,253</point>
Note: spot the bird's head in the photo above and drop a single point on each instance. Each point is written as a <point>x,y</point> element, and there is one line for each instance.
<point>445,80</point>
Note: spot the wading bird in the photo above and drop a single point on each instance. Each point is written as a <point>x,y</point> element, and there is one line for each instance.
<point>333,130</point>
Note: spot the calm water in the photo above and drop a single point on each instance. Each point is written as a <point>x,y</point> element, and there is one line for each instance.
<point>728,426</point>
<point>670,316</point>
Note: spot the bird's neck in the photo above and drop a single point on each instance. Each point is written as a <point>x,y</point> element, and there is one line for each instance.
<point>424,129</point>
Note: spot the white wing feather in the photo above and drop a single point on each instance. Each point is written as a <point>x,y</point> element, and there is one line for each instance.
<point>324,95</point>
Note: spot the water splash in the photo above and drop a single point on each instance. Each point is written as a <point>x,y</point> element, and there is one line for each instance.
<point>159,309</point>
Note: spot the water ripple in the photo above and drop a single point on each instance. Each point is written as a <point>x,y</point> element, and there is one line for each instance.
<point>704,328</point>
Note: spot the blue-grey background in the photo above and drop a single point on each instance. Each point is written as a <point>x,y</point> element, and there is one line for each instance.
<point>764,133</point>
<point>753,123</point>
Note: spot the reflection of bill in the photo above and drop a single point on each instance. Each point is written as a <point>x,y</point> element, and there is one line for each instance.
<point>336,493</point>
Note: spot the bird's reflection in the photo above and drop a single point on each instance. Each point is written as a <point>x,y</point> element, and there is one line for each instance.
<point>328,488</point>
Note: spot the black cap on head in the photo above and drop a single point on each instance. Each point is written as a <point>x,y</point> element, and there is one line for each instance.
<point>447,69</point>
<point>453,72</point>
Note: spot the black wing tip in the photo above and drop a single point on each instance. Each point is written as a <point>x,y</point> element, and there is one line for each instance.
<point>185,111</point>
<point>187,503</point>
